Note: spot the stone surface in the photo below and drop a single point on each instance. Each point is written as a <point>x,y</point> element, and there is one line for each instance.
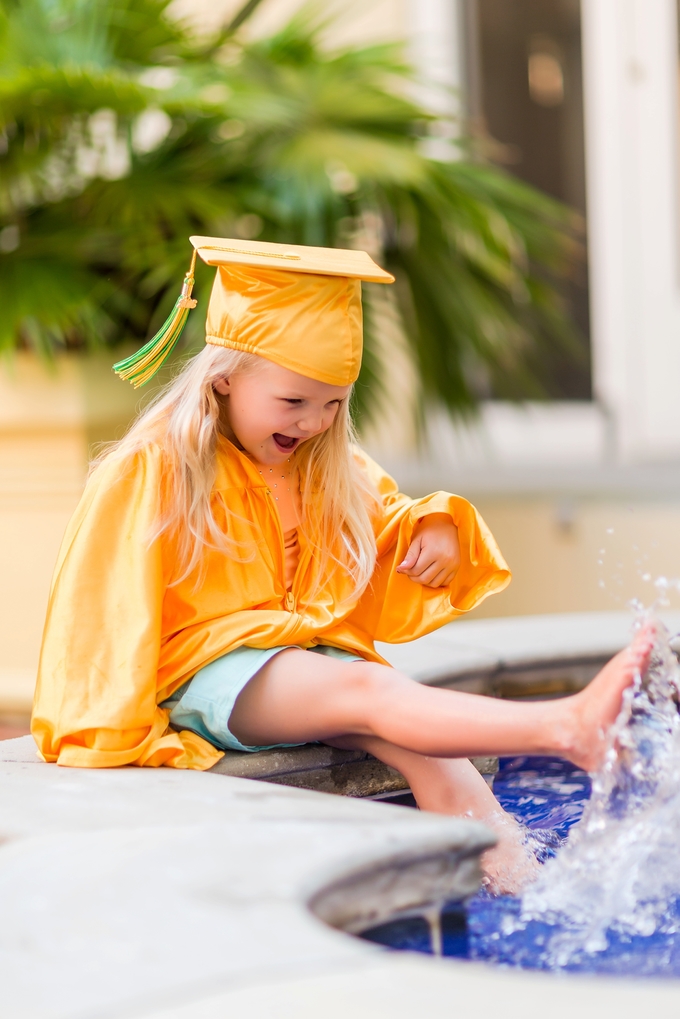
<point>326,769</point>
<point>288,761</point>
<point>158,894</point>
<point>396,886</point>
<point>355,778</point>
<point>413,987</point>
<point>142,886</point>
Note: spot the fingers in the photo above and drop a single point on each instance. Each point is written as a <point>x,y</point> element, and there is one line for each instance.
<point>431,562</point>
<point>443,579</point>
<point>410,560</point>
<point>419,564</point>
<point>433,576</point>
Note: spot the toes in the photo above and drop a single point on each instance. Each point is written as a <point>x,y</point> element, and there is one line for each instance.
<point>641,647</point>
<point>646,636</point>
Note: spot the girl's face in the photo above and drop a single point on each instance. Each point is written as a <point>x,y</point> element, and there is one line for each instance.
<point>272,410</point>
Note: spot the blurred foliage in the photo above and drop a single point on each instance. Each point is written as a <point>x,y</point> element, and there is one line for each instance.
<point>121,133</point>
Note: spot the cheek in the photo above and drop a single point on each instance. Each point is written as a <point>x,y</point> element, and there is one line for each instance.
<point>329,417</point>
<point>254,415</point>
<point>243,413</point>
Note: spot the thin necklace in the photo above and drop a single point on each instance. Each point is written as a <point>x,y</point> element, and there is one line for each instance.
<point>271,484</point>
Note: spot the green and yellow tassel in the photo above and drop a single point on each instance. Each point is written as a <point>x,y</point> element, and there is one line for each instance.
<point>143,365</point>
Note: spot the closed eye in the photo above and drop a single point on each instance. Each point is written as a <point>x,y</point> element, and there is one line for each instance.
<point>297,401</point>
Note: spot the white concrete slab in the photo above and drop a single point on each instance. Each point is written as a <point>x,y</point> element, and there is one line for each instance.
<point>415,987</point>
<point>144,894</point>
<point>135,885</point>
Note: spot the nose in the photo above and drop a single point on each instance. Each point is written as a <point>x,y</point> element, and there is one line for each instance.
<point>311,421</point>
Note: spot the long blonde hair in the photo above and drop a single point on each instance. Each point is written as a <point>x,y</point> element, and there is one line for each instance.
<point>185,420</point>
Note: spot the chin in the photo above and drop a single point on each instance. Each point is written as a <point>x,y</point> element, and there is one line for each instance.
<point>270,454</point>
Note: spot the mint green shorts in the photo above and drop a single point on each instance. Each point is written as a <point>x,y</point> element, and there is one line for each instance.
<point>204,703</point>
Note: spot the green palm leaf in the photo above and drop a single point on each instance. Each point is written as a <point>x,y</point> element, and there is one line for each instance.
<point>284,141</point>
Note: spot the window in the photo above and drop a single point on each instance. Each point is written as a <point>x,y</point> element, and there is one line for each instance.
<point>525,92</point>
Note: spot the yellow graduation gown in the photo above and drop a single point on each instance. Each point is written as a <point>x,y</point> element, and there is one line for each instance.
<point>119,639</point>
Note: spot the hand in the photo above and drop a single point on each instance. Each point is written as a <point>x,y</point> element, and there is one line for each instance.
<point>433,557</point>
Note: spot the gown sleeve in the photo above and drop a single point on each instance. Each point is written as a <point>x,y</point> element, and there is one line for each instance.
<point>393,608</point>
<point>95,701</point>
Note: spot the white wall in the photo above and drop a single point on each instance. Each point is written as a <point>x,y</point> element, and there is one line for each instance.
<point>630,93</point>
<point>630,68</point>
<point>630,88</point>
<point>435,44</point>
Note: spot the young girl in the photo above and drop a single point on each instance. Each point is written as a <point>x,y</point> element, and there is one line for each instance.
<point>235,556</point>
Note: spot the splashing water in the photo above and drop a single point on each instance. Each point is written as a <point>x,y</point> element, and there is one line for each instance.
<point>618,877</point>
<point>608,898</point>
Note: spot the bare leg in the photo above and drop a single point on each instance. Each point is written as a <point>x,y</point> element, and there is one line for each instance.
<point>448,786</point>
<point>298,697</point>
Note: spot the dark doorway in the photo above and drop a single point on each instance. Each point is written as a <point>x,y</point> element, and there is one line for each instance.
<point>525,91</point>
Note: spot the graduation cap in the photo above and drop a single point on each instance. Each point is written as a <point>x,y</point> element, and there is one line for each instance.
<point>296,305</point>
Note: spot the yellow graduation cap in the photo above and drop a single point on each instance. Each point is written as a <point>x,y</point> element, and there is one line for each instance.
<point>296,305</point>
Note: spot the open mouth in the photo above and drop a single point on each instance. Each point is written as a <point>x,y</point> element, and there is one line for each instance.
<point>286,443</point>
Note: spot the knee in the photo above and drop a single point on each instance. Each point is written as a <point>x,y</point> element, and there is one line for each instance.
<point>371,682</point>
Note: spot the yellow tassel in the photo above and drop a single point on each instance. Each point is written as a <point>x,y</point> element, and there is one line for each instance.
<point>143,365</point>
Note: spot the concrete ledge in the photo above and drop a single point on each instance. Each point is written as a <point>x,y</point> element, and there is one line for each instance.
<point>325,769</point>
<point>315,766</point>
<point>144,893</point>
<point>126,890</point>
<point>396,886</point>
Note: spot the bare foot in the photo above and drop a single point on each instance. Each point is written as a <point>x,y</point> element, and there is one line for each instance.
<point>591,713</point>
<point>510,865</point>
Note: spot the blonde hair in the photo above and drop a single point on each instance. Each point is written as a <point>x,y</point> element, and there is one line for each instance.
<point>185,420</point>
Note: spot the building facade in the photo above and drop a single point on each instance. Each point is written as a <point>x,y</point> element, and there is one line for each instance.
<point>582,492</point>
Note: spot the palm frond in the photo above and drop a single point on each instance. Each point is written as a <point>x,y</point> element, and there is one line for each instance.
<point>286,141</point>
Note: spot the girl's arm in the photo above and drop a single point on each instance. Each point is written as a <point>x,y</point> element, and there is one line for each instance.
<point>395,608</point>
<point>95,702</point>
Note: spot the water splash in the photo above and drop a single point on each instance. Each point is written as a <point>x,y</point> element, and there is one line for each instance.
<point>618,877</point>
